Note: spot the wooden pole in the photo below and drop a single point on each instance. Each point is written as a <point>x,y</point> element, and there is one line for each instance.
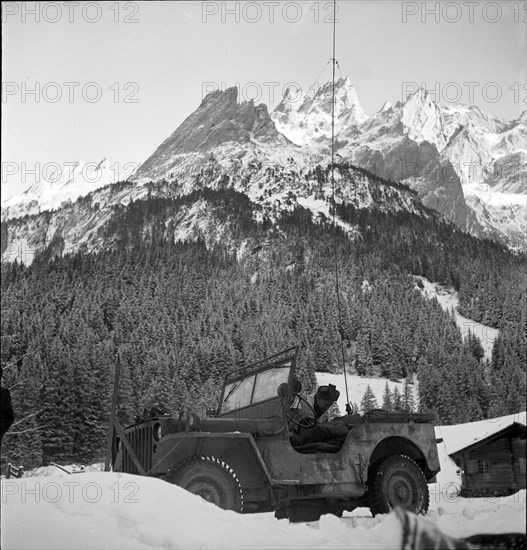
<point>60,467</point>
<point>128,447</point>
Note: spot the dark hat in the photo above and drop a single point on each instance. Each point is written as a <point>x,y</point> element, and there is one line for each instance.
<point>328,393</point>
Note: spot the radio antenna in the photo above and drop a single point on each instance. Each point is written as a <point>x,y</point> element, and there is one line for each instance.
<point>337,285</point>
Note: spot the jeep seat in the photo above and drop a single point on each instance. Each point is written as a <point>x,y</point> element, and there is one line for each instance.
<point>320,447</point>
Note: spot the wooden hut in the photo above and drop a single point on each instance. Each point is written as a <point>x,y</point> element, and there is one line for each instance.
<point>494,463</point>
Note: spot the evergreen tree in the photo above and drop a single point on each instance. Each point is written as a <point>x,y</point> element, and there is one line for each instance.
<point>396,400</point>
<point>183,313</point>
<point>363,359</point>
<point>369,401</point>
<point>408,401</point>
<point>387,398</point>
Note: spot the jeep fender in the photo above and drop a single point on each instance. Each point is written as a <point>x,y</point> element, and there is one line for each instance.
<point>238,450</point>
<point>403,446</point>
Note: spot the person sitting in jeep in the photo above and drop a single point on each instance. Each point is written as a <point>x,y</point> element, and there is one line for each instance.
<point>311,420</point>
<point>316,405</point>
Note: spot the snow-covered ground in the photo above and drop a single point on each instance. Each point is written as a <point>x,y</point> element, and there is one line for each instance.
<point>449,300</point>
<point>108,510</point>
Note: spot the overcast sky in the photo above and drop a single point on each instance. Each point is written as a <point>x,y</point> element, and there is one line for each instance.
<point>87,80</point>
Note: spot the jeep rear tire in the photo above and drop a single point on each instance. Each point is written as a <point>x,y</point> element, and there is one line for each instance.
<point>211,479</point>
<point>397,480</point>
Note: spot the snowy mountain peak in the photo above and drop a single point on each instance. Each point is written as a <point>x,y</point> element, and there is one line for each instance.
<point>445,153</point>
<point>422,119</point>
<point>226,97</point>
<point>293,98</point>
<point>308,120</point>
<point>220,122</point>
<point>346,100</point>
<point>522,119</point>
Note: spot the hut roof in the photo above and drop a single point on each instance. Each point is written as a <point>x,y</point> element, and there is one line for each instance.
<point>461,436</point>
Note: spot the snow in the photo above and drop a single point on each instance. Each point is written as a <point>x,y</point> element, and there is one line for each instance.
<point>485,193</point>
<point>63,183</point>
<point>449,300</point>
<point>110,510</point>
<point>107,510</point>
<point>307,120</point>
<point>422,120</point>
<point>319,206</point>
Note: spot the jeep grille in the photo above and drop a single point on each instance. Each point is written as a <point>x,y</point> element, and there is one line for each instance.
<point>141,441</point>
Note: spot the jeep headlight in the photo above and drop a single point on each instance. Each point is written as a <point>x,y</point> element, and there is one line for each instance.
<point>157,432</point>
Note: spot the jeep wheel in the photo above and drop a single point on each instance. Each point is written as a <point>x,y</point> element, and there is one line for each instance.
<point>211,479</point>
<point>397,480</point>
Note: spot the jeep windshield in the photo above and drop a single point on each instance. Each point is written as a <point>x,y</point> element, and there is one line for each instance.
<point>256,383</point>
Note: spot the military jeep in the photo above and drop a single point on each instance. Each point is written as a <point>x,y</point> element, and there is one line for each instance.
<point>243,459</point>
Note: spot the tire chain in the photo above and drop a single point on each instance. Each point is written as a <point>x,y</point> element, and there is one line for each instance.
<point>214,460</point>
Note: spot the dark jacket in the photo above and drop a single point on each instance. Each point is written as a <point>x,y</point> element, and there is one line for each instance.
<point>7,416</point>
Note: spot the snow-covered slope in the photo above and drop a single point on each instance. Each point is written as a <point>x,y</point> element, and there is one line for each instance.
<point>226,144</point>
<point>222,145</point>
<point>63,184</point>
<point>448,299</point>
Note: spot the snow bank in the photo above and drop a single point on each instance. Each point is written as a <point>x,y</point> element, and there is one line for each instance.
<point>463,517</point>
<point>108,510</point>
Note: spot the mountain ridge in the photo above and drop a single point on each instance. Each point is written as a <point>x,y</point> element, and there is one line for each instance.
<point>225,143</point>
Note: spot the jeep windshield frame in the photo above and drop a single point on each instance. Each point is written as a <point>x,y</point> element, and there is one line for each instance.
<point>258,382</point>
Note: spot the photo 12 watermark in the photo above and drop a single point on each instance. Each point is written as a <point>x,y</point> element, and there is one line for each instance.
<point>463,12</point>
<point>91,492</point>
<point>89,172</point>
<point>453,491</point>
<point>70,12</point>
<point>19,251</point>
<point>258,92</point>
<point>468,92</point>
<point>470,171</point>
<point>269,12</point>
<point>69,92</point>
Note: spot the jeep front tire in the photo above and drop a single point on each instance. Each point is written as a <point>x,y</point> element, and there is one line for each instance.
<point>397,480</point>
<point>210,478</point>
